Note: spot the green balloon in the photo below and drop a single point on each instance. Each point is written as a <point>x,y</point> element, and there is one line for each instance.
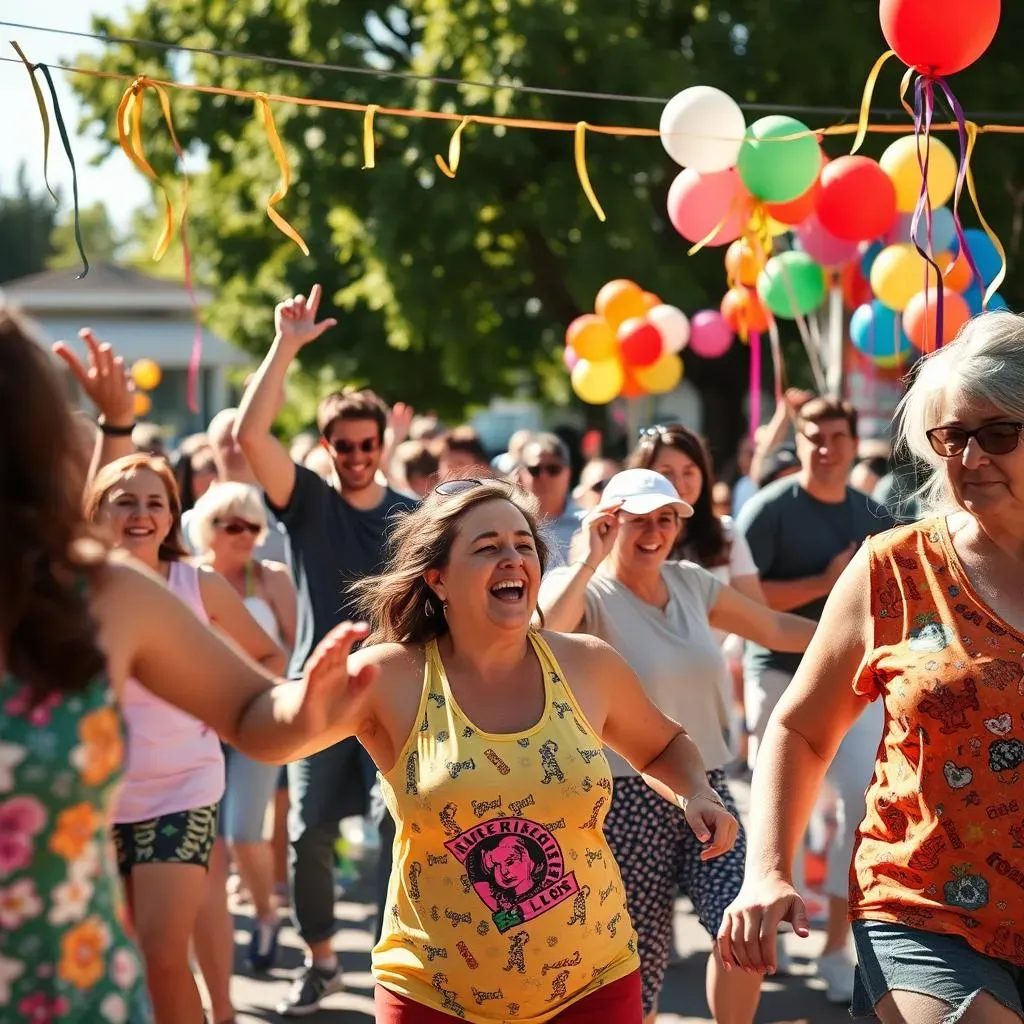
<point>792,285</point>
<point>778,172</point>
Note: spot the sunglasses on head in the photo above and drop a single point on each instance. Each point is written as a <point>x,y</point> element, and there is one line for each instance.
<point>551,468</point>
<point>235,527</point>
<point>343,447</point>
<point>451,487</point>
<point>993,438</point>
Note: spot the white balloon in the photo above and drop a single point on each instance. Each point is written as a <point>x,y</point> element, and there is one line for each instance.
<point>672,325</point>
<point>703,128</point>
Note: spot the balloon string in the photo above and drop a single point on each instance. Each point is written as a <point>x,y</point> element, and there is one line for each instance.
<point>755,382</point>
<point>993,287</point>
<point>450,168</point>
<point>580,154</point>
<point>267,116</point>
<point>864,120</point>
<point>369,145</point>
<point>734,208</point>
<point>813,357</point>
<point>778,366</point>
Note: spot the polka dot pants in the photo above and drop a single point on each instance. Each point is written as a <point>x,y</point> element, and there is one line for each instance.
<point>659,857</point>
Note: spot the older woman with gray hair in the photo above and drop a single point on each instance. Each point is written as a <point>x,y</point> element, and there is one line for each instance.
<point>929,618</point>
<point>228,522</point>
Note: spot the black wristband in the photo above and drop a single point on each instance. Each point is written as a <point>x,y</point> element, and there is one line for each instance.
<point>111,431</point>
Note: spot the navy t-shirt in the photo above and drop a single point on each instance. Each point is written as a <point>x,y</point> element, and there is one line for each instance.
<point>331,545</point>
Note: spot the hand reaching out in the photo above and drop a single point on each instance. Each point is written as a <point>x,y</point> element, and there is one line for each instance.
<point>106,381</point>
<point>399,423</point>
<point>295,319</point>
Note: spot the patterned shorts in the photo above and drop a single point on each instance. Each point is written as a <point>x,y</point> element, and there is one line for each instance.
<point>185,837</point>
<point>659,857</point>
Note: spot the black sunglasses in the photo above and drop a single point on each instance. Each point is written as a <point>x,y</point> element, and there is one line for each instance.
<point>367,445</point>
<point>467,483</point>
<point>598,486</point>
<point>551,468</point>
<point>993,438</point>
<point>235,528</point>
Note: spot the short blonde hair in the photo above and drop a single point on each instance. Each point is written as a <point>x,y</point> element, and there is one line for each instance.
<point>224,501</point>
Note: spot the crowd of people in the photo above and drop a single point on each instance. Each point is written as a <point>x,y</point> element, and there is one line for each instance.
<point>538,684</point>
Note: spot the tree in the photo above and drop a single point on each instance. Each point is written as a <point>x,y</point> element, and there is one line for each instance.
<point>450,291</point>
<point>26,224</point>
<point>101,239</point>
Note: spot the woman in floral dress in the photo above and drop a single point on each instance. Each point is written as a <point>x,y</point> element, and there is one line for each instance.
<point>75,623</point>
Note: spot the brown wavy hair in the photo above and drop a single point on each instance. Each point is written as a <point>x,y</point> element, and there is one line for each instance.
<point>172,547</point>
<point>49,555</point>
<point>398,604</point>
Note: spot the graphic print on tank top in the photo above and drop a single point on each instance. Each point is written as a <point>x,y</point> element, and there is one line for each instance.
<point>505,902</point>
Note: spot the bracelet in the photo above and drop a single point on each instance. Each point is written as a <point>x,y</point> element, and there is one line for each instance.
<point>587,564</point>
<point>113,431</point>
<point>705,793</point>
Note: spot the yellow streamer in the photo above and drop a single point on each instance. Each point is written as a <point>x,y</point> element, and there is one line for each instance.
<point>263,104</point>
<point>581,169</point>
<point>43,115</point>
<point>905,83</point>
<point>707,239</point>
<point>990,291</point>
<point>369,144</point>
<point>455,152</point>
<point>865,103</point>
<point>129,134</point>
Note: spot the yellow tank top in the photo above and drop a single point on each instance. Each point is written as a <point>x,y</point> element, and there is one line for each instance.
<point>505,902</point>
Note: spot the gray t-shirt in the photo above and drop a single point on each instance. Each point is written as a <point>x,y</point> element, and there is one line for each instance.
<point>674,652</point>
<point>330,545</point>
<point>792,536</point>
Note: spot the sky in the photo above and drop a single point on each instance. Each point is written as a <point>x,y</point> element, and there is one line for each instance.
<point>116,182</point>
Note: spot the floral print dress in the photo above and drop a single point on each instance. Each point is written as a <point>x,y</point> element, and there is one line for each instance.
<point>64,954</point>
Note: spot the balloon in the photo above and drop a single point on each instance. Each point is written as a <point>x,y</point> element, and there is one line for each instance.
<point>661,376</point>
<point>703,128</point>
<point>869,256</point>
<point>973,297</point>
<point>618,301</point>
<point>631,387</point>
<point>897,275</point>
<point>984,254</point>
<point>570,358</point>
<point>900,162</point>
<point>943,230</point>
<point>798,210</point>
<point>639,342</point>
<point>146,374</point>
<point>877,331</point>
<point>673,327</point>
<point>792,285</point>
<point>855,285</point>
<point>939,37</point>
<point>956,272</point>
<point>710,335</point>
<point>650,301</point>
<point>899,230</point>
<point>779,171</point>
<point>743,262</point>
<point>744,312</point>
<point>143,403</point>
<point>697,203</point>
<point>591,337</point>
<point>597,383</point>
<point>776,228</point>
<point>822,246</point>
<point>857,200</point>
<point>920,318</point>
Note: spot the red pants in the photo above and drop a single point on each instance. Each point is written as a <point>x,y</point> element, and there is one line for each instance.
<point>617,1003</point>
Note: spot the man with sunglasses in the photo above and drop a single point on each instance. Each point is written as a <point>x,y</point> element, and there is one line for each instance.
<point>546,475</point>
<point>337,534</point>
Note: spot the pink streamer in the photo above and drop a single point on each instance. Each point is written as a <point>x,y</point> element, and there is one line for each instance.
<point>755,382</point>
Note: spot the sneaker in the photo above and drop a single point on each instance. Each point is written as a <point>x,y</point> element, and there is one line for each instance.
<point>263,944</point>
<point>309,988</point>
<point>836,970</point>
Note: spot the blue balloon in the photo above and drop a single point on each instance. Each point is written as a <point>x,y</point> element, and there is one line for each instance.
<point>983,252</point>
<point>973,297</point>
<point>943,230</point>
<point>869,257</point>
<point>877,331</point>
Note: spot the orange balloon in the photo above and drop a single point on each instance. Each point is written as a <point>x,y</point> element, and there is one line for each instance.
<point>590,337</point>
<point>619,301</point>
<point>956,271</point>
<point>744,312</point>
<point>856,287</point>
<point>650,301</point>
<point>142,403</point>
<point>920,318</point>
<point>631,387</point>
<point>743,262</point>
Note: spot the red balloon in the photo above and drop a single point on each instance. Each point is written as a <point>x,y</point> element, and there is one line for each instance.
<point>856,287</point>
<point>639,342</point>
<point>797,210</point>
<point>631,387</point>
<point>939,37</point>
<point>858,199</point>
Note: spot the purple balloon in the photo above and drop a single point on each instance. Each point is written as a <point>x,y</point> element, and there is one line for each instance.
<point>900,230</point>
<point>710,335</point>
<point>823,247</point>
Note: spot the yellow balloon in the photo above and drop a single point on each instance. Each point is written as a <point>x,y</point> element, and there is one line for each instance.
<point>661,376</point>
<point>897,275</point>
<point>597,383</point>
<point>142,403</point>
<point>776,227</point>
<point>146,374</point>
<point>900,162</point>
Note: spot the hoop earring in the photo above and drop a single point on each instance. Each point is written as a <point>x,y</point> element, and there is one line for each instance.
<point>444,610</point>
<point>428,608</point>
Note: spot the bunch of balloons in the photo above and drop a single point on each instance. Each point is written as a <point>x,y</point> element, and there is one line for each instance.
<point>146,376</point>
<point>628,347</point>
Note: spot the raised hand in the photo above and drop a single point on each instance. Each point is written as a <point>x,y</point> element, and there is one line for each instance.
<point>106,381</point>
<point>599,530</point>
<point>295,319</point>
<point>399,423</point>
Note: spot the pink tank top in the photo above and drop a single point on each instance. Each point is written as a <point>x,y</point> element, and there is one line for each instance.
<point>174,761</point>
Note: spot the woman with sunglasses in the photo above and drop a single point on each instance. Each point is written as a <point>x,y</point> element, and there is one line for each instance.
<point>929,618</point>
<point>228,523</point>
<point>504,900</point>
<point>594,479</point>
<point>659,615</point>
<point>166,813</point>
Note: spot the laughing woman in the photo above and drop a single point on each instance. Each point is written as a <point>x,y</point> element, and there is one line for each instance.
<point>660,615</point>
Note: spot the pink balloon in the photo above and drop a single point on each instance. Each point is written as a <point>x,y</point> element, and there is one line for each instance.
<point>822,246</point>
<point>698,203</point>
<point>900,230</point>
<point>710,335</point>
<point>569,357</point>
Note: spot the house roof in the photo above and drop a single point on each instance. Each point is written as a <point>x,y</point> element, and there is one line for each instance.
<point>106,287</point>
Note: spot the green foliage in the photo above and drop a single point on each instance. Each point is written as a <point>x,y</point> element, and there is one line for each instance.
<point>26,222</point>
<point>101,239</point>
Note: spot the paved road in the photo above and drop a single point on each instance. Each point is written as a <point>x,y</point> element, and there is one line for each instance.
<point>798,999</point>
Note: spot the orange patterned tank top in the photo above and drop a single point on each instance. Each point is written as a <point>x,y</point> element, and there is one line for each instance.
<point>940,846</point>
<point>505,902</point>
